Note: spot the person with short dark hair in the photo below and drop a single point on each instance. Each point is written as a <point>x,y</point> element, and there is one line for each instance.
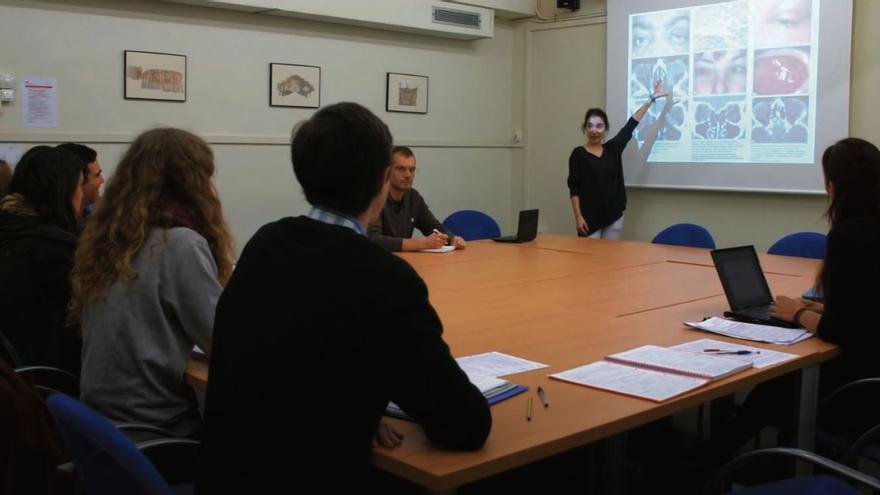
<point>595,173</point>
<point>319,328</point>
<point>406,210</point>
<point>38,225</point>
<point>92,173</point>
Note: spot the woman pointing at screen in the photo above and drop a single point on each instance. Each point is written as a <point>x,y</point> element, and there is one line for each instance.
<point>595,173</point>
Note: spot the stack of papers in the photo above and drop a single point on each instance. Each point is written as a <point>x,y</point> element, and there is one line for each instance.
<point>483,371</point>
<point>750,331</point>
<point>441,249</point>
<point>760,358</point>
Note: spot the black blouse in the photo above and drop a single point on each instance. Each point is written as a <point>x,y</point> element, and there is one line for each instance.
<point>849,318</point>
<point>598,181</point>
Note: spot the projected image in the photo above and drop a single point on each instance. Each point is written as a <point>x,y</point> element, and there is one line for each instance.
<point>719,117</point>
<point>673,74</point>
<point>661,33</point>
<point>741,76</point>
<point>721,27</point>
<point>672,127</point>
<point>780,120</point>
<point>721,72</point>
<point>782,71</point>
<point>783,22</point>
<point>671,71</point>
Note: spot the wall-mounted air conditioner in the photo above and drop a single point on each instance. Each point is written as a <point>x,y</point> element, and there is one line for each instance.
<point>429,17</point>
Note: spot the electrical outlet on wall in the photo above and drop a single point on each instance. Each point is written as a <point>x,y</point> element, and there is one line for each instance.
<point>7,81</point>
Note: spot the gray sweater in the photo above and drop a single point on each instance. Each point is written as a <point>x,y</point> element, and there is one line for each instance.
<point>138,338</point>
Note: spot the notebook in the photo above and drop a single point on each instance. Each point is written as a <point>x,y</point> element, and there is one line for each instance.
<point>494,390</point>
<point>441,249</point>
<point>653,372</point>
<point>527,229</point>
<point>745,286</point>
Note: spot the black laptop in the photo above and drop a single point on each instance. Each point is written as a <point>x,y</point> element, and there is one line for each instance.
<point>745,286</point>
<point>527,230</point>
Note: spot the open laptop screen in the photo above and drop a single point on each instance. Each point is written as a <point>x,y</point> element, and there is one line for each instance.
<point>741,276</point>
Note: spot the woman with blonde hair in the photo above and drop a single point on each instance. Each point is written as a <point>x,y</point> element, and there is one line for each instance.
<point>149,269</point>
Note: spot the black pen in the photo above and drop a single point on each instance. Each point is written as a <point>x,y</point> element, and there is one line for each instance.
<point>737,353</point>
<point>543,396</point>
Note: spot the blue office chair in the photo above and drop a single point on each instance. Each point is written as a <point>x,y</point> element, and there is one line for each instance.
<point>685,234</point>
<point>105,460</point>
<point>472,225</point>
<point>803,244</point>
<point>825,484</point>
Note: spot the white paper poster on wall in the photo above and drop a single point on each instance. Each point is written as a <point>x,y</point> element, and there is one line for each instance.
<point>39,101</point>
<point>10,153</point>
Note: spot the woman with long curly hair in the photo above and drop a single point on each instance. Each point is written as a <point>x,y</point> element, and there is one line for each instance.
<point>149,269</point>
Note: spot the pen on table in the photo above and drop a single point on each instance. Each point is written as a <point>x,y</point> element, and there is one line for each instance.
<point>543,396</point>
<point>737,353</point>
<point>529,411</point>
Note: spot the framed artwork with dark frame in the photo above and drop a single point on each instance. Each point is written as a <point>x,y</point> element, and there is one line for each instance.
<point>292,85</point>
<point>406,93</point>
<point>154,76</point>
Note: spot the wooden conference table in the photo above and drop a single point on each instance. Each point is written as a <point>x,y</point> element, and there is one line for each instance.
<point>568,301</point>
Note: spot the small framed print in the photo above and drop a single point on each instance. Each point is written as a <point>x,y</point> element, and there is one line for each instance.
<point>406,93</point>
<point>294,86</point>
<point>154,76</point>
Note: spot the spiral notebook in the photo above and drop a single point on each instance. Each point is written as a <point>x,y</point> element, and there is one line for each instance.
<point>653,372</point>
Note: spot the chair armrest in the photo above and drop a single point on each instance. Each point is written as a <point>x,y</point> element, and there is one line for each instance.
<point>854,449</point>
<point>51,379</point>
<point>175,458</point>
<point>146,428</point>
<point>716,483</point>
<point>847,388</point>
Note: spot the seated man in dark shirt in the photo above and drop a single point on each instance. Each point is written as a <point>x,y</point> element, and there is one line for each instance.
<point>318,328</point>
<point>406,210</point>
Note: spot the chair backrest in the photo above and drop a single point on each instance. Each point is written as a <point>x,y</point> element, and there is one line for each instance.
<point>685,234</point>
<point>803,244</point>
<point>472,225</point>
<point>8,352</point>
<point>105,460</point>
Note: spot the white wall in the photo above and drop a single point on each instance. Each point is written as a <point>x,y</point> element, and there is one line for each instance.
<point>466,155</point>
<point>533,76</point>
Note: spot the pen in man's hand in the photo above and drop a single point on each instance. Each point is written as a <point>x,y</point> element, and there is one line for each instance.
<point>543,396</point>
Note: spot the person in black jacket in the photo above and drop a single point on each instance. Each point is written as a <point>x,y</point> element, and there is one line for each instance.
<point>595,173</point>
<point>318,328</point>
<point>848,279</point>
<point>38,221</point>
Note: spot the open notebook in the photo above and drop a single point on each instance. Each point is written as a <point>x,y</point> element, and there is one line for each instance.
<point>653,372</point>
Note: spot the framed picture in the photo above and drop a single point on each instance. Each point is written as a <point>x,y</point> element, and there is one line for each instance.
<point>294,86</point>
<point>155,76</point>
<point>406,93</point>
